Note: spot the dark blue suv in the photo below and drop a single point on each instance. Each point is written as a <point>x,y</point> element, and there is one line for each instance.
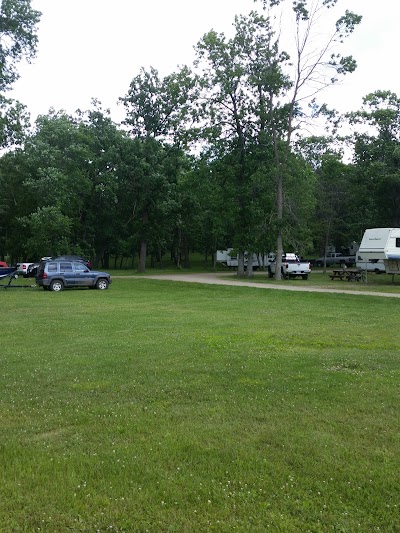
<point>56,275</point>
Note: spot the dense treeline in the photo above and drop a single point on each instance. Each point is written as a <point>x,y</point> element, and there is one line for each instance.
<point>207,158</point>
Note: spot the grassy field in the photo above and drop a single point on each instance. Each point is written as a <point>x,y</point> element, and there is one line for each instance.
<point>160,406</point>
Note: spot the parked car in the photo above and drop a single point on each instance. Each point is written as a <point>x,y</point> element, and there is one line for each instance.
<point>334,258</point>
<point>291,267</point>
<point>22,268</point>
<point>56,275</point>
<point>33,268</point>
<point>72,258</point>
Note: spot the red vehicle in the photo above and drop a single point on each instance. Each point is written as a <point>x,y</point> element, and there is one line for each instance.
<point>6,271</point>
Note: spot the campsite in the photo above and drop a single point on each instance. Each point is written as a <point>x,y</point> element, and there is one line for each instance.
<point>183,396</point>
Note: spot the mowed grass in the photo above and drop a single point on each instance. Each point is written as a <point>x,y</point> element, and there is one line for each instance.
<point>162,406</point>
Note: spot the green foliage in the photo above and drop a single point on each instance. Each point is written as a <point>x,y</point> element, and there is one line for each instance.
<point>18,27</point>
<point>377,158</point>
<point>14,121</point>
<point>161,108</point>
<point>50,232</point>
<point>336,219</point>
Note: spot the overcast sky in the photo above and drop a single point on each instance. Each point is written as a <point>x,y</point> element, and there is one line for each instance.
<point>93,48</point>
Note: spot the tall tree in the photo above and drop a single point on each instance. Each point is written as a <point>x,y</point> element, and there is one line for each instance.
<point>377,159</point>
<point>15,202</point>
<point>234,113</point>
<point>334,209</point>
<point>316,65</point>
<point>18,35</point>
<point>70,167</point>
<point>336,215</point>
<point>161,108</point>
<point>159,116</point>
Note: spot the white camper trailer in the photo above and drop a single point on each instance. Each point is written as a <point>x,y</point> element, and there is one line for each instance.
<point>230,258</point>
<point>372,265</point>
<point>381,244</point>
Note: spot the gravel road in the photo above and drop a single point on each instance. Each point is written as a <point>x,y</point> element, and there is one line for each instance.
<point>217,279</point>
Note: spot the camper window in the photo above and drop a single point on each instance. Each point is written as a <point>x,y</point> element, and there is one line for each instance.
<point>397,242</point>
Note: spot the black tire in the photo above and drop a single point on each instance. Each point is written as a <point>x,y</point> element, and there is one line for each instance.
<point>305,276</point>
<point>56,285</point>
<point>102,284</point>
<point>270,274</point>
<point>319,264</point>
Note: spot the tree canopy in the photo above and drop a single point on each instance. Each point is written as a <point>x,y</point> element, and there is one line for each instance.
<point>211,156</point>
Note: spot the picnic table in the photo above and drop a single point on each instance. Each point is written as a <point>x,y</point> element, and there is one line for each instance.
<point>347,274</point>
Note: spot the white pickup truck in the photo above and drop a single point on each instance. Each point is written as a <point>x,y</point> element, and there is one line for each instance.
<point>292,267</point>
<point>22,269</point>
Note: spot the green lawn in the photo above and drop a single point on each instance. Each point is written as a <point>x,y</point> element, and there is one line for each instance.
<point>161,406</point>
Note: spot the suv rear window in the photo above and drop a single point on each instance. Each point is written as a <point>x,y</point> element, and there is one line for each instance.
<point>52,267</point>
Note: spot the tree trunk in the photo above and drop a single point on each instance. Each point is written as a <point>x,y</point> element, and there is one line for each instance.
<point>327,237</point>
<point>159,257</point>
<point>249,269</point>
<point>142,256</point>
<point>185,251</point>
<point>240,270</point>
<point>106,260</point>
<point>279,240</point>
<point>143,243</point>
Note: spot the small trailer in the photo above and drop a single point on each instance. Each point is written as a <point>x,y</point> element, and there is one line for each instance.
<point>381,244</point>
<point>10,272</point>
<point>230,259</point>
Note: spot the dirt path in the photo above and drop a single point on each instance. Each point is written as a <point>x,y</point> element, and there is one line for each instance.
<point>217,279</point>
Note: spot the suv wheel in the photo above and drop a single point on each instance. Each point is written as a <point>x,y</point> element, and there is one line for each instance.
<point>102,284</point>
<point>56,285</point>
